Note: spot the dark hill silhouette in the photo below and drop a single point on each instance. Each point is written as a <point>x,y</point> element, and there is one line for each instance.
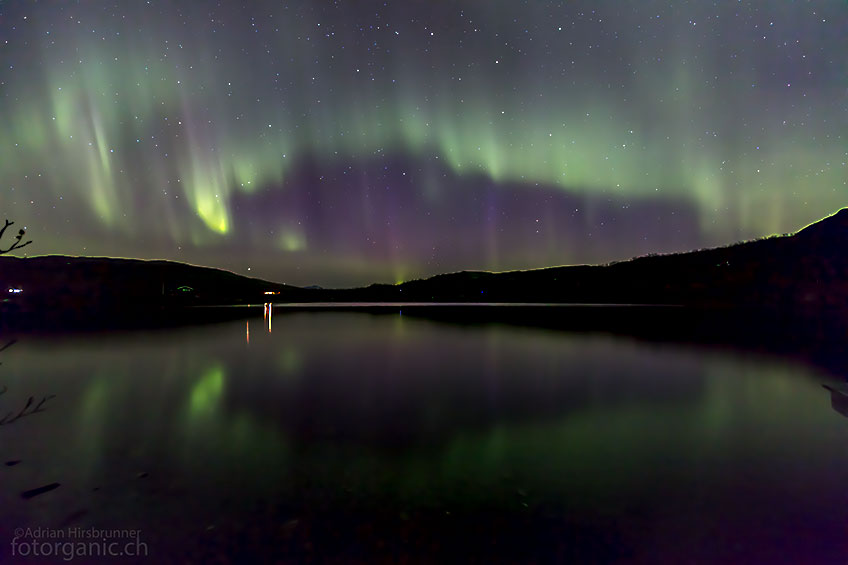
<point>806,269</point>
<point>59,282</point>
<point>831,229</point>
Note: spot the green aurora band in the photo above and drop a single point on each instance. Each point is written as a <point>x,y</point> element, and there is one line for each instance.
<point>124,120</point>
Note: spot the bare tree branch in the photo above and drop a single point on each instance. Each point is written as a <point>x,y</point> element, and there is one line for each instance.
<point>27,410</point>
<point>18,238</point>
<point>3,230</point>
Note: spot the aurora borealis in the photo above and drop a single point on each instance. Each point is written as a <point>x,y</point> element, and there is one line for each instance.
<point>349,142</point>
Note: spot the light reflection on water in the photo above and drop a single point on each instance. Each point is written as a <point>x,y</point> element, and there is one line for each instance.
<point>376,435</point>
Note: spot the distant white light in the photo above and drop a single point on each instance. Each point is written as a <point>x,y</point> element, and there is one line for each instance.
<point>16,290</point>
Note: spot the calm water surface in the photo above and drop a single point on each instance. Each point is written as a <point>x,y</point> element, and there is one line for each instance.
<point>351,436</point>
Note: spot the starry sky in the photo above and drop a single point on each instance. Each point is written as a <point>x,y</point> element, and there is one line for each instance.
<point>342,143</point>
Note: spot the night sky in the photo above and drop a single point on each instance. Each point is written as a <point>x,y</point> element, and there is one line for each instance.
<point>342,143</point>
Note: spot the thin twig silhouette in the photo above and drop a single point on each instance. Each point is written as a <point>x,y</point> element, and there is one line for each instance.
<point>27,410</point>
<point>17,243</point>
<point>31,407</point>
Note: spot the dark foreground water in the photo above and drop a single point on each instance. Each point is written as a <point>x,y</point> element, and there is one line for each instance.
<point>345,436</point>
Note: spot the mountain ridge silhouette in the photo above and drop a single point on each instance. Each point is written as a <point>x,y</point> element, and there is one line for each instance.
<point>805,268</point>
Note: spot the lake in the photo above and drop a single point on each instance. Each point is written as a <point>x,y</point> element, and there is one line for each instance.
<point>376,436</point>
